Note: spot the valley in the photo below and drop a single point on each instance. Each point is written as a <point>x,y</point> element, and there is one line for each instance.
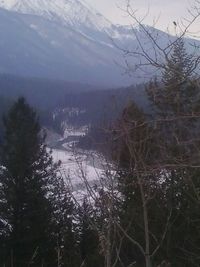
<point>99,136</point>
<point>78,166</point>
<point>68,40</point>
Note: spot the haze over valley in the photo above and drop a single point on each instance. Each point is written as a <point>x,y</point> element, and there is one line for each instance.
<point>99,134</point>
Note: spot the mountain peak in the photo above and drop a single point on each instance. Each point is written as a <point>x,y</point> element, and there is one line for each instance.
<point>70,12</point>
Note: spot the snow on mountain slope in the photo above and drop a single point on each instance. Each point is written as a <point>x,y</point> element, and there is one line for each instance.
<point>69,12</point>
<point>65,39</point>
<point>33,46</point>
<point>76,14</point>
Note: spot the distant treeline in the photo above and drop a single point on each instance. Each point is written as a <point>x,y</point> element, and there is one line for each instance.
<point>56,100</point>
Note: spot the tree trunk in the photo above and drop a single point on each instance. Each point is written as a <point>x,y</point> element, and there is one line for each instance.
<point>146,225</point>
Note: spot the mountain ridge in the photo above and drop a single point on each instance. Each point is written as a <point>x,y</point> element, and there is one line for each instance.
<point>67,40</point>
<point>66,11</point>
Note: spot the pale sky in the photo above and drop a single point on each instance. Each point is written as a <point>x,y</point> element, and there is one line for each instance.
<point>167,11</point>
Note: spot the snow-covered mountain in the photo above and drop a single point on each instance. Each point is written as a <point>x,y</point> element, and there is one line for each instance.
<point>66,12</point>
<point>62,39</point>
<point>74,14</point>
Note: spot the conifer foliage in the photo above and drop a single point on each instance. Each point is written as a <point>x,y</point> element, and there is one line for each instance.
<point>144,212</point>
<point>159,169</point>
<point>26,210</point>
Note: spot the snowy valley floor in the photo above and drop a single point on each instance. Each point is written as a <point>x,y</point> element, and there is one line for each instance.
<point>79,168</point>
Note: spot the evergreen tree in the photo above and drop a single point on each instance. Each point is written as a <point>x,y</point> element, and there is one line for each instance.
<point>64,226</point>
<point>89,239</point>
<point>176,103</point>
<point>177,94</point>
<point>24,207</point>
<point>140,187</point>
<point>156,159</point>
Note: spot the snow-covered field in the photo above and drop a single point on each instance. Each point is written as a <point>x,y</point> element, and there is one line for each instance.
<point>79,168</point>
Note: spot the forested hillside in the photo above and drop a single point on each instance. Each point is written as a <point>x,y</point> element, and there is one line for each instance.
<point>99,136</point>
<point>76,104</point>
<point>144,208</point>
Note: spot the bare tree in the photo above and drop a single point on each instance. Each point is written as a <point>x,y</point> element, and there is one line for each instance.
<point>153,48</point>
<point>157,152</point>
<point>166,143</point>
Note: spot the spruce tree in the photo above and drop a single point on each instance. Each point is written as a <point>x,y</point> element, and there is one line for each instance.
<point>64,226</point>
<point>139,186</point>
<point>176,103</point>
<point>177,93</point>
<point>89,238</point>
<point>159,155</point>
<point>25,207</point>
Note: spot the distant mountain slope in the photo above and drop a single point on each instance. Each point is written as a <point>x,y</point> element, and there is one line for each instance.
<point>33,46</point>
<point>76,104</point>
<point>41,93</point>
<point>64,39</point>
<point>70,12</point>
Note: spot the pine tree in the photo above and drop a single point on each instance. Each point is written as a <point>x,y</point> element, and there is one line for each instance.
<point>25,207</point>
<point>64,226</point>
<point>139,187</point>
<point>176,103</point>
<point>89,239</point>
<point>177,93</point>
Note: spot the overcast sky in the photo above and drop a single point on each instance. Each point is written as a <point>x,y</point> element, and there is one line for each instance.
<point>168,10</point>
